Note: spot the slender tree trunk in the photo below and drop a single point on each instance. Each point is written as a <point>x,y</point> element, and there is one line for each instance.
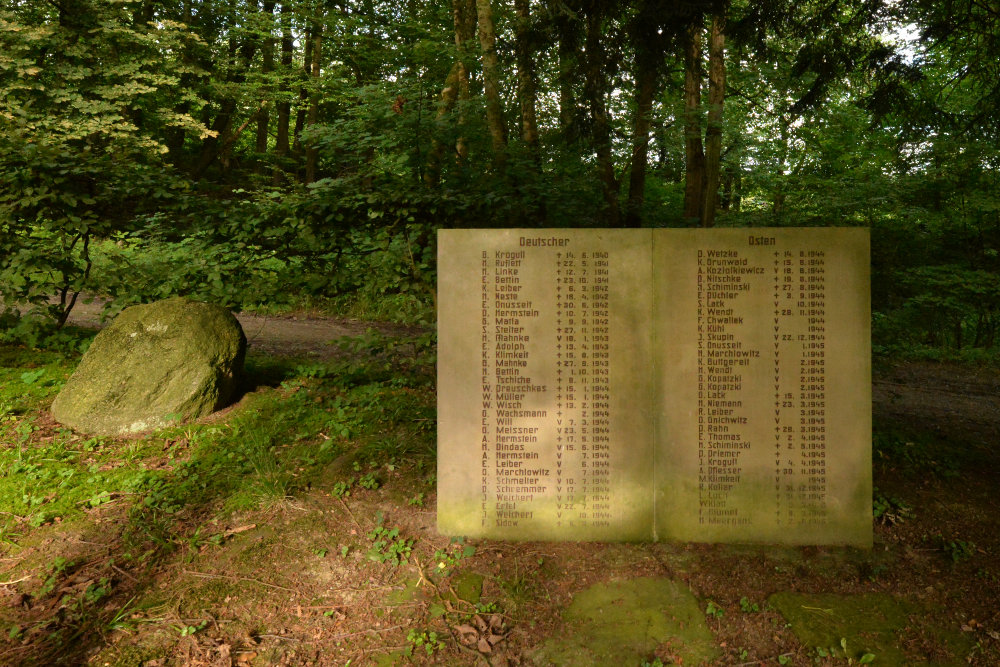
<point>456,88</point>
<point>713,131</point>
<point>645,90</point>
<point>175,135</point>
<point>595,87</point>
<point>284,107</point>
<point>491,82</point>
<point>726,201</point>
<point>567,66</point>
<point>214,147</point>
<point>432,170</point>
<point>526,85</point>
<point>303,106</point>
<point>737,204</point>
<point>694,154</point>
<point>465,28</point>
<point>266,68</point>
<point>778,203</point>
<point>312,151</point>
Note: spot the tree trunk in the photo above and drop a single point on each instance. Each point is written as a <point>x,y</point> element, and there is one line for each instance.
<point>694,154</point>
<point>645,90</point>
<point>175,135</point>
<point>266,68</point>
<point>432,170</point>
<point>713,132</point>
<point>595,86</point>
<point>726,201</point>
<point>465,30</point>
<point>491,82</point>
<point>312,152</point>
<point>300,114</point>
<point>456,88</point>
<point>737,203</point>
<point>284,107</point>
<point>526,86</point>
<point>778,203</point>
<point>567,66</point>
<point>213,146</point>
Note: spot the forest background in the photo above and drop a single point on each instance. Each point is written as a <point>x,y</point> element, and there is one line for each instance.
<point>301,154</point>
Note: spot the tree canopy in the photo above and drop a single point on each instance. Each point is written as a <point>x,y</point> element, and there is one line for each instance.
<point>249,150</point>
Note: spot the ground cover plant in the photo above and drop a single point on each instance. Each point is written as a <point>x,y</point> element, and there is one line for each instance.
<point>297,527</point>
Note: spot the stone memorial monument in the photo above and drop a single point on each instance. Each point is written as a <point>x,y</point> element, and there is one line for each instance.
<point>707,385</point>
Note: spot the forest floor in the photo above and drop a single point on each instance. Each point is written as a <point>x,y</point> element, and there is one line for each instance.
<point>343,565</point>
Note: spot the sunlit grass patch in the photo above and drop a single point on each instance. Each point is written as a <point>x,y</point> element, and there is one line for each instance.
<point>278,441</point>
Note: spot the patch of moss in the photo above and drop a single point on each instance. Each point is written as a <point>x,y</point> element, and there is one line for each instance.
<point>623,622</point>
<point>874,623</point>
<point>408,593</point>
<point>468,586</point>
<point>260,550</point>
<point>128,655</point>
<point>213,592</point>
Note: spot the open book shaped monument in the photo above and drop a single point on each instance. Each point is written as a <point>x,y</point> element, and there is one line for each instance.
<point>709,385</point>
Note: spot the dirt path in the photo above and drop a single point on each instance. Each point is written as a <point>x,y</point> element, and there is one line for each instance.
<point>954,401</point>
<point>958,403</point>
<point>290,336</point>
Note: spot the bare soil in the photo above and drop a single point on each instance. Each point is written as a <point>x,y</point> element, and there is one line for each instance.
<point>290,583</point>
<point>294,335</point>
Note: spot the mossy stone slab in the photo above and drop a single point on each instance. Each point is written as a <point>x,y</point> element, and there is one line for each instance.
<point>623,623</point>
<point>175,358</point>
<point>870,623</point>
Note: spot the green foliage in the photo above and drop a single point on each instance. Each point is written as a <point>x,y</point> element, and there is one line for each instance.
<point>917,452</point>
<point>831,652</point>
<point>40,333</point>
<point>889,510</point>
<point>957,550</point>
<point>457,551</point>
<point>150,150</point>
<point>387,545</point>
<point>428,640</point>
<point>75,165</point>
<point>189,630</point>
<point>714,610</point>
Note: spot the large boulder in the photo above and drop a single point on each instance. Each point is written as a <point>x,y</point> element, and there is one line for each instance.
<point>155,362</point>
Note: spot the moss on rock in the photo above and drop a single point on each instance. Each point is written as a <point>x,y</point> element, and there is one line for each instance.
<point>624,622</point>
<point>173,358</point>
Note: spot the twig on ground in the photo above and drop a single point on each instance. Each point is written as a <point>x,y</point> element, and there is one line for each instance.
<point>350,513</point>
<point>206,575</point>
<point>365,632</point>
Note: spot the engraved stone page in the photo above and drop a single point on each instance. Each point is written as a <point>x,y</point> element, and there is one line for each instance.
<point>764,427</point>
<point>544,384</point>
